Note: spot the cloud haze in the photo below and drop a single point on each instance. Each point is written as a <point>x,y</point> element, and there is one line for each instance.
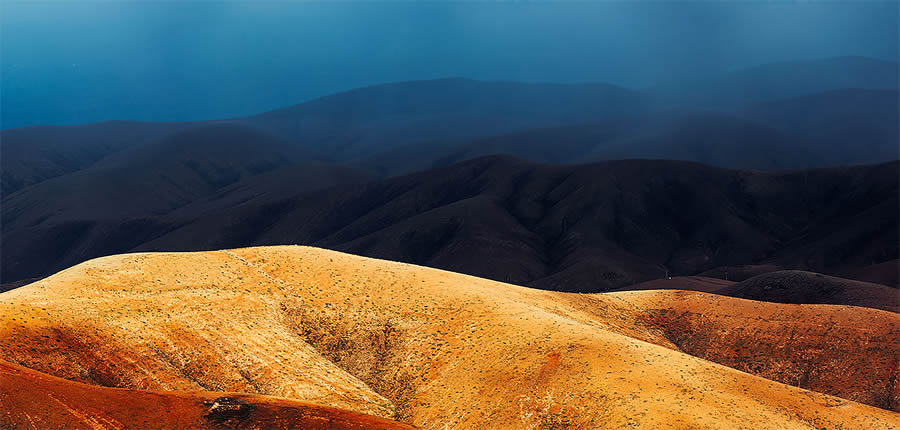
<point>76,62</point>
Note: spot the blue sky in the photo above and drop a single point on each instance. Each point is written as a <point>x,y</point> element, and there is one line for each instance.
<point>65,62</point>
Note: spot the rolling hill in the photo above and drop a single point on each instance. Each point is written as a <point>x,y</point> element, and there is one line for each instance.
<point>685,283</point>
<point>341,127</point>
<point>35,400</point>
<point>786,286</point>
<point>35,154</point>
<point>437,349</point>
<point>799,287</point>
<point>185,167</point>
<point>154,179</point>
<point>886,273</point>
<point>577,228</point>
<point>804,114</point>
<point>717,139</point>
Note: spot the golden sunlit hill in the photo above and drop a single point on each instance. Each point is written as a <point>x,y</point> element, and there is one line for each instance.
<point>36,400</point>
<point>433,349</point>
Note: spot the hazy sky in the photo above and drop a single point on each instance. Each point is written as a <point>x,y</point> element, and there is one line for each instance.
<point>81,61</point>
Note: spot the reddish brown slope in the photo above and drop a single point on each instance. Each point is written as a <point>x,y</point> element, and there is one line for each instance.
<point>849,352</point>
<point>433,348</point>
<point>31,399</point>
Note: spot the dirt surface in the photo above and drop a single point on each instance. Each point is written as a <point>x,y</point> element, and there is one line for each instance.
<point>35,400</point>
<point>841,350</point>
<point>431,348</point>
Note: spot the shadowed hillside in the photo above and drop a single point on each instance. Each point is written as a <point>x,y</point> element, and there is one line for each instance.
<point>717,139</point>
<point>792,286</point>
<point>35,154</point>
<point>576,228</point>
<point>687,283</point>
<point>153,180</point>
<point>886,273</point>
<point>804,114</point>
<point>787,286</point>
<point>340,127</point>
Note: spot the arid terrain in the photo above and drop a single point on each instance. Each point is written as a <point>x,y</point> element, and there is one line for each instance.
<point>434,349</point>
<point>33,399</point>
<point>442,215</point>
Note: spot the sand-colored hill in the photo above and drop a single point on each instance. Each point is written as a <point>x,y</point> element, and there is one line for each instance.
<point>35,400</point>
<point>432,348</point>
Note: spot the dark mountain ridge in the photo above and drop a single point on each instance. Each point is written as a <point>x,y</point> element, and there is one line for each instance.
<point>799,287</point>
<point>842,119</point>
<point>573,228</point>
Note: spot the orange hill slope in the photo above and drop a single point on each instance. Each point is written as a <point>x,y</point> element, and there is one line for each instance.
<point>36,400</point>
<point>845,351</point>
<point>432,348</point>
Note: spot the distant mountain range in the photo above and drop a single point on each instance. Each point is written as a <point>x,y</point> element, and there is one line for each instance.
<point>817,113</point>
<point>575,228</point>
<point>335,172</point>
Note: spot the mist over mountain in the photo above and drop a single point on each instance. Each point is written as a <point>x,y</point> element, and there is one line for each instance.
<point>76,192</point>
<point>403,127</point>
<point>782,80</point>
<point>70,62</point>
<point>449,215</point>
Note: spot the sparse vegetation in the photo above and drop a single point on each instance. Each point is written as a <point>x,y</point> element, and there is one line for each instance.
<point>441,350</point>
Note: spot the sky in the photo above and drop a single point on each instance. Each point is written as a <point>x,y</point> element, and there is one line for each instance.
<point>79,61</point>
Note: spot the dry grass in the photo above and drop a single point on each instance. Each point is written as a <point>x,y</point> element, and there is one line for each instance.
<point>434,348</point>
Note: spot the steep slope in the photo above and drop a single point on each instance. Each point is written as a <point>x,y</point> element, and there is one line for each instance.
<point>445,350</point>
<point>153,179</point>
<point>805,346</point>
<point>794,286</point>
<point>576,228</point>
<point>34,154</point>
<point>580,228</point>
<point>35,400</point>
<point>115,204</point>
